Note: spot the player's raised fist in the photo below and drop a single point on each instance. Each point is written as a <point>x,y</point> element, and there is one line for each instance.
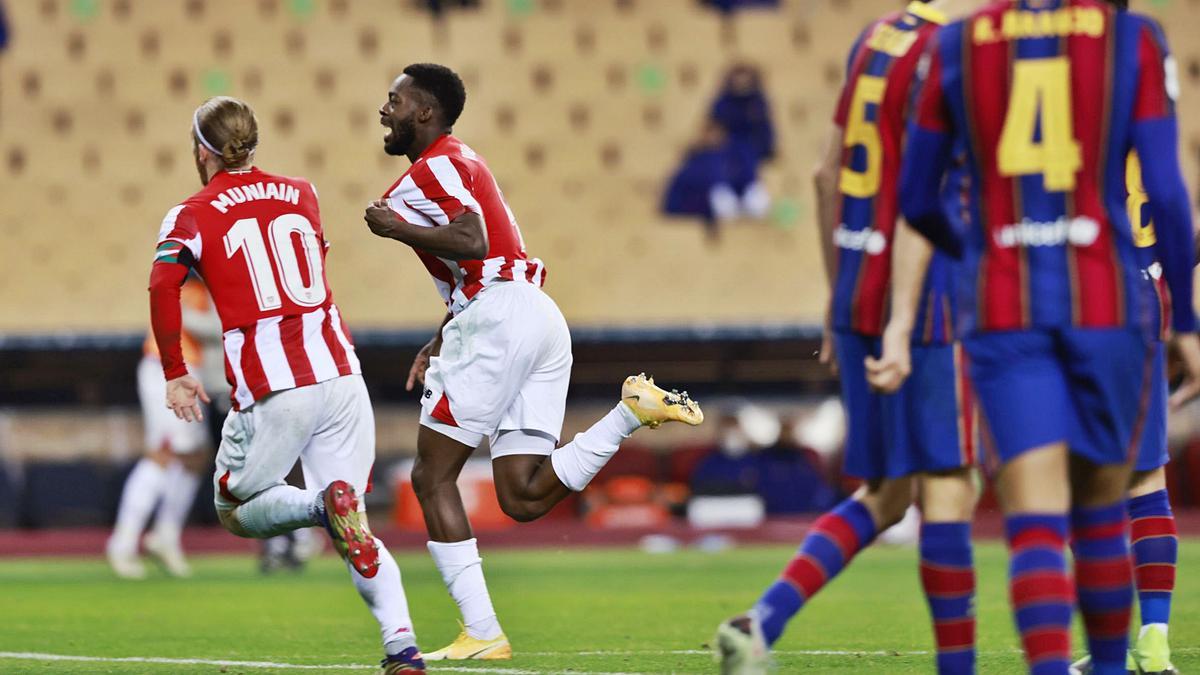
<point>379,218</point>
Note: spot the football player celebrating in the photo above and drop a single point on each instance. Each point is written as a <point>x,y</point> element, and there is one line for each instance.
<point>256,240</point>
<point>1050,97</point>
<point>499,366</point>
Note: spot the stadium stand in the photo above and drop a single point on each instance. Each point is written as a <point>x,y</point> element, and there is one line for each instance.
<point>592,106</point>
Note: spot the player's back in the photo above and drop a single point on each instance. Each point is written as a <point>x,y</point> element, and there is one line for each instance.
<point>872,111</point>
<point>1043,92</point>
<point>257,242</point>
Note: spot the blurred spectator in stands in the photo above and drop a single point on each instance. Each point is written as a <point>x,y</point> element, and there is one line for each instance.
<point>791,477</point>
<point>741,108</point>
<point>718,181</point>
<point>728,6</point>
<point>730,467</point>
<point>439,7</point>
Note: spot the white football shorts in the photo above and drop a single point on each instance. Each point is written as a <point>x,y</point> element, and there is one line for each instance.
<point>328,426</point>
<point>505,365</point>
<point>162,427</point>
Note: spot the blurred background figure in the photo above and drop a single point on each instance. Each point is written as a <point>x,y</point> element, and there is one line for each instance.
<point>177,453</point>
<point>730,467</point>
<point>730,6</point>
<point>791,478</point>
<point>742,110</point>
<point>718,178</point>
<point>758,452</point>
<point>717,181</point>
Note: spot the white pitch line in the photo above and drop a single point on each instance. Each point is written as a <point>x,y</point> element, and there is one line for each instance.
<point>37,656</point>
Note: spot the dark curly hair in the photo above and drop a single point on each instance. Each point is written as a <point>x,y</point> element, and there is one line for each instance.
<point>444,85</point>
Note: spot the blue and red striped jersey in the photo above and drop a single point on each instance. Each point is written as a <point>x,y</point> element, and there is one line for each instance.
<point>1049,97</point>
<point>872,112</point>
<point>1159,309</point>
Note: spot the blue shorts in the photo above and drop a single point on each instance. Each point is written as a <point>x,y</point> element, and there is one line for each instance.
<point>926,426</point>
<point>1085,387</point>
<point>1152,446</point>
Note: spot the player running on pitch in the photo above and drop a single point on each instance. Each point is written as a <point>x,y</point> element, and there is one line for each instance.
<point>500,364</point>
<point>256,239</point>
<point>1050,98</point>
<point>922,435</point>
<point>176,452</point>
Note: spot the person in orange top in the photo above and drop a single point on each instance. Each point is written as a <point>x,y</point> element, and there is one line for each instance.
<point>176,452</point>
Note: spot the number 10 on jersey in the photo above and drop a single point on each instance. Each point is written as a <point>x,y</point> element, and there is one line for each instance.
<point>247,237</point>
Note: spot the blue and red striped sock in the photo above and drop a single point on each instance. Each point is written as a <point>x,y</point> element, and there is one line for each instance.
<point>1104,583</point>
<point>830,544</point>
<point>1040,590</point>
<point>1155,552</point>
<point>948,576</point>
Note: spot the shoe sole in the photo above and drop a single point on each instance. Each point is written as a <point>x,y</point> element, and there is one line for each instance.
<point>685,410</point>
<point>352,539</point>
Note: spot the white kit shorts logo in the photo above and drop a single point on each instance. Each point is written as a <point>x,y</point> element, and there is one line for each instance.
<point>1080,231</point>
<point>869,240</point>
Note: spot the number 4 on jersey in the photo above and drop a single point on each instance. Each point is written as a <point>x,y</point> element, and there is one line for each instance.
<point>1040,98</point>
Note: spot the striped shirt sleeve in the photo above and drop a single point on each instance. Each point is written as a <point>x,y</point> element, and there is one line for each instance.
<point>179,232</point>
<point>1158,80</point>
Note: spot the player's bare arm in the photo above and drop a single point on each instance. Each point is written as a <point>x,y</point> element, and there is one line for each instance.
<point>825,182</point>
<point>911,254</point>
<point>464,238</point>
<point>421,363</point>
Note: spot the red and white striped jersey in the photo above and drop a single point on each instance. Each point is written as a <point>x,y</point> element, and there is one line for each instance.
<point>257,242</point>
<point>447,180</point>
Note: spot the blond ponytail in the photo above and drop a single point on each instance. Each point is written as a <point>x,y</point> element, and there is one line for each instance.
<point>228,128</point>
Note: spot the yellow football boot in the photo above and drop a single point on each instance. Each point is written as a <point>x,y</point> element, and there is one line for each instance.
<point>466,647</point>
<point>1153,654</point>
<point>653,405</point>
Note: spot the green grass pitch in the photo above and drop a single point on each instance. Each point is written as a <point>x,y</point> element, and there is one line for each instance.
<point>605,611</point>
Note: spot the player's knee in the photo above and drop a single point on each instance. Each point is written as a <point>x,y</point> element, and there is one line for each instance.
<point>422,480</point>
<point>520,510</point>
<point>229,520</point>
<point>887,500</point>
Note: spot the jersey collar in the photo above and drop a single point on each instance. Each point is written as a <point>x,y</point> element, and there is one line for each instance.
<point>441,140</point>
<point>924,11</point>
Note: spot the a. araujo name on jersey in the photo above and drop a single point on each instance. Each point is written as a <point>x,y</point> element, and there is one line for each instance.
<point>255,191</point>
<point>870,240</point>
<point>1077,231</point>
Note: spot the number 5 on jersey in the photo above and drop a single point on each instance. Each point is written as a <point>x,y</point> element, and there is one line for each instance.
<point>865,133</point>
<point>247,236</point>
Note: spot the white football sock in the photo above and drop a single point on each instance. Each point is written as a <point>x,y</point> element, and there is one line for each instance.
<point>462,570</point>
<point>179,493</point>
<point>384,595</point>
<point>578,462</point>
<point>276,510</point>
<point>140,494</point>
